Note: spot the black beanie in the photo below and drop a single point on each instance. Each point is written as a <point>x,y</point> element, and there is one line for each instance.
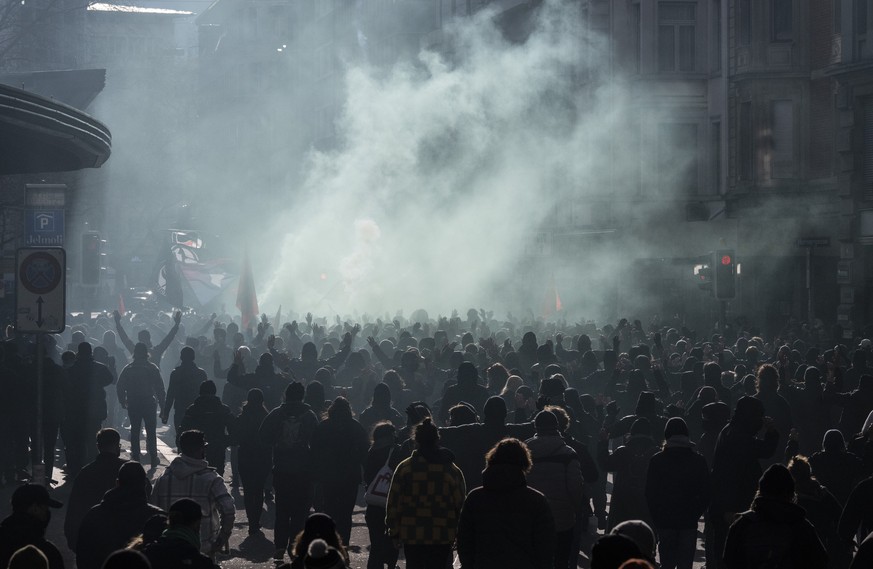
<point>545,422</point>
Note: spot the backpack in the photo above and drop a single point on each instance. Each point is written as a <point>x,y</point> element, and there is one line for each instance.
<point>291,434</point>
<point>377,491</point>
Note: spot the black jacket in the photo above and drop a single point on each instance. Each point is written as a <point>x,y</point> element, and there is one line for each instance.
<point>174,553</point>
<point>858,511</point>
<point>290,457</point>
<point>677,487</point>
<point>339,447</point>
<point>505,523</point>
<point>210,415</point>
<point>184,388</point>
<point>736,468</point>
<point>19,530</point>
<point>773,533</point>
<point>89,486</point>
<point>111,524</point>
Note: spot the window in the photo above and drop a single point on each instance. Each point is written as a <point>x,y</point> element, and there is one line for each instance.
<point>744,21</point>
<point>676,30</point>
<point>746,151</point>
<point>677,158</point>
<point>782,16</point>
<point>782,139</point>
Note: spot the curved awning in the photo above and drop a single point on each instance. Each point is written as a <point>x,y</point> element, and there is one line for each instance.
<point>42,135</point>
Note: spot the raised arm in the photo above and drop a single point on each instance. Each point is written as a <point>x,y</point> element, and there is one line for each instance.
<point>122,335</point>
<point>159,350</point>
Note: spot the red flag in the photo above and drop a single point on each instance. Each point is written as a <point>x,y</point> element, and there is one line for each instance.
<point>121,309</point>
<point>246,297</point>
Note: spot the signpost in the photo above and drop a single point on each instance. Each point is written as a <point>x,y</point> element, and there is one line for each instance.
<point>40,307</point>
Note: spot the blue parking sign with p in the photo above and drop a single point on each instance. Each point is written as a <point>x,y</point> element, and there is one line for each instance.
<point>44,228</point>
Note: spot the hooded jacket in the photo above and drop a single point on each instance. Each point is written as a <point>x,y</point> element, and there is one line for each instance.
<point>505,523</point>
<point>557,473</point>
<point>188,477</point>
<point>295,458</point>
<point>677,486</point>
<point>736,467</point>
<point>629,462</point>
<point>210,415</point>
<point>89,486</point>
<point>20,529</point>
<point>140,385</point>
<point>425,499</point>
<point>111,524</point>
<point>184,387</point>
<point>774,533</point>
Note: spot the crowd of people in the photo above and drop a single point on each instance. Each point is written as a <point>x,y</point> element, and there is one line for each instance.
<point>514,443</point>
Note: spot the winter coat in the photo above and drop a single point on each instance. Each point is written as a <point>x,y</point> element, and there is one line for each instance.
<point>858,511</point>
<point>289,429</point>
<point>425,499</point>
<point>838,471</point>
<point>339,447</point>
<point>140,385</point>
<point>774,533</point>
<point>469,443</point>
<point>188,477</point>
<point>505,523</point>
<point>173,553</point>
<point>86,396</point>
<point>736,468</point>
<point>209,415</point>
<point>777,407</point>
<point>246,429</point>
<point>372,415</point>
<point>89,486</point>
<point>557,473</point>
<point>472,393</point>
<point>111,524</point>
<point>271,384</point>
<point>823,512</point>
<point>184,387</point>
<point>856,406</point>
<point>677,486</point>
<point>629,463</point>
<point>20,529</point>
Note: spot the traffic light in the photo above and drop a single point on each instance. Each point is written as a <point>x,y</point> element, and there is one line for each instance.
<point>704,276</point>
<point>91,258</point>
<point>725,274</point>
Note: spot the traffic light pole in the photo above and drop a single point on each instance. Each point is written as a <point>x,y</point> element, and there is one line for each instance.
<point>722,315</point>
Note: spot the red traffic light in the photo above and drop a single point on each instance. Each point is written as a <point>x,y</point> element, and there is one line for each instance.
<point>726,260</point>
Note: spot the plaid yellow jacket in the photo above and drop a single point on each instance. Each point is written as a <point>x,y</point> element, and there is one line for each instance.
<point>424,500</point>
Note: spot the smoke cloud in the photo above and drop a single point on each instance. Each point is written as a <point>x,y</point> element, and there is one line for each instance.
<point>447,167</point>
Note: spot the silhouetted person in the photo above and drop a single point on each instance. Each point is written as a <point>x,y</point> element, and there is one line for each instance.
<point>735,471</point>
<point>255,457</point>
<point>184,388</point>
<point>380,409</point>
<point>179,545</point>
<point>27,523</point>
<point>86,406</point>
<point>213,418</point>
<point>144,336</point>
<point>677,492</point>
<point>775,531</point>
<point>506,523</point>
<point>140,391</point>
<point>189,476</point>
<point>467,390</point>
<point>339,447</point>
<point>383,451</point>
<point>835,467</point>
<point>92,483</point>
<point>288,429</point>
<point>265,378</point>
<point>117,519</point>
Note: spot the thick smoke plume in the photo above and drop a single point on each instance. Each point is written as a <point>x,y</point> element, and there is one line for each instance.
<point>446,168</point>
